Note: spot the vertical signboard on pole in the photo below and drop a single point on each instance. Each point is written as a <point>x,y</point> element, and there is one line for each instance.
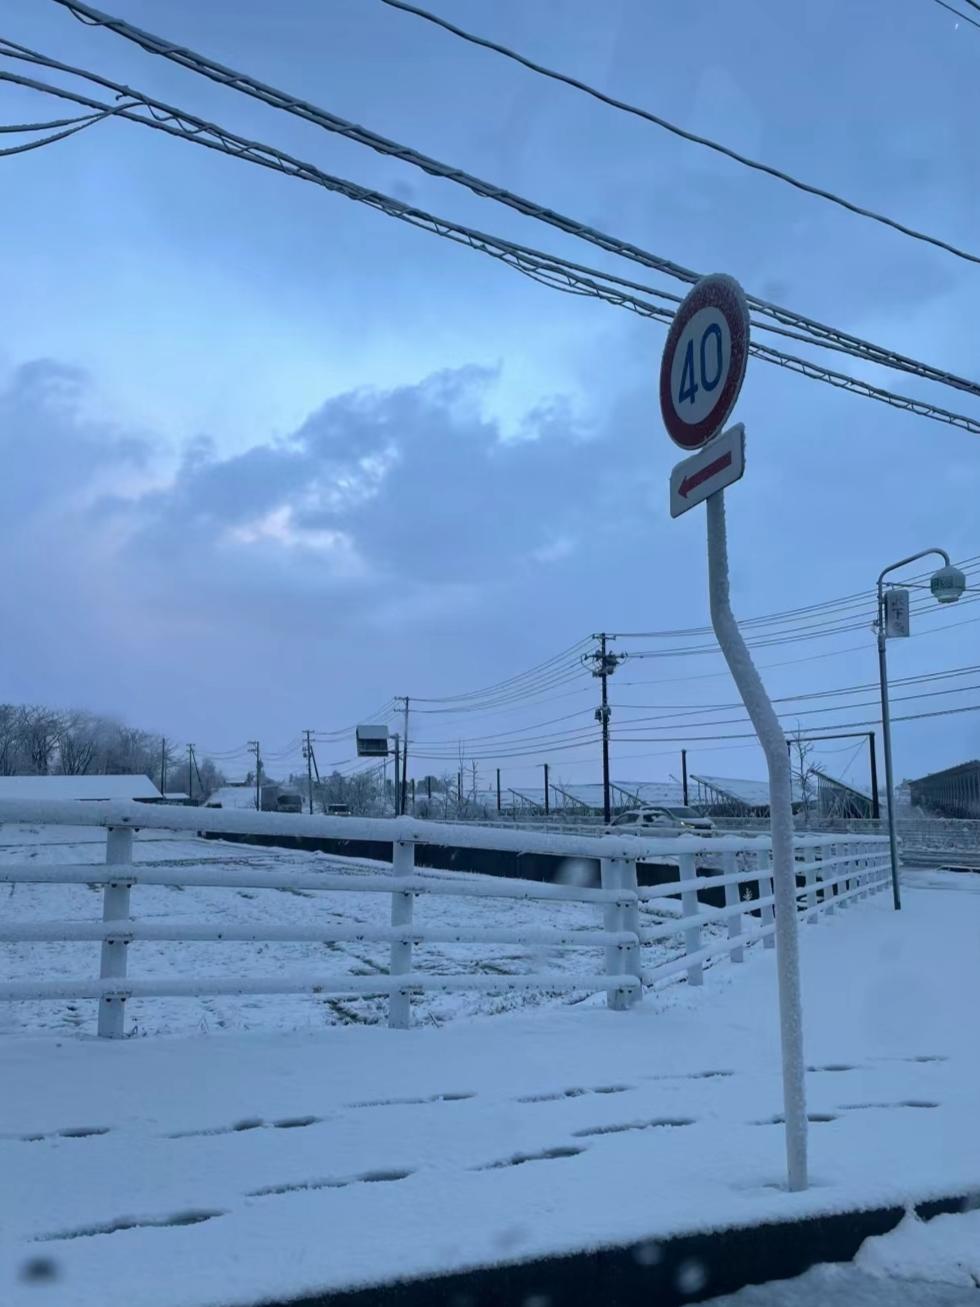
<point>897,613</point>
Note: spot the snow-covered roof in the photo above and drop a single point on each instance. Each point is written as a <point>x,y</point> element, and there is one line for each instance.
<point>754,794</point>
<point>88,788</point>
<point>232,796</point>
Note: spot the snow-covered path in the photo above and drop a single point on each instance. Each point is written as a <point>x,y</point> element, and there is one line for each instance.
<point>231,1168</point>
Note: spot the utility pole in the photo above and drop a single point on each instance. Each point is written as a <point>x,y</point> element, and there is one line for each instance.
<point>498,789</point>
<point>253,747</point>
<point>163,765</point>
<point>684,773</point>
<point>603,666</point>
<point>308,755</point>
<point>404,763</point>
<point>397,795</point>
<point>875,801</point>
<point>547,804</point>
<point>404,791</point>
<point>190,771</point>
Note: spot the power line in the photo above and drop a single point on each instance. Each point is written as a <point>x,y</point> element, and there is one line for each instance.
<point>567,657</point>
<point>637,112</point>
<point>807,712</point>
<point>501,746</point>
<point>970,565</point>
<point>72,126</point>
<point>303,109</point>
<point>922,679</point>
<point>826,608</point>
<point>751,735</point>
<point>965,17</point>
<point>549,270</point>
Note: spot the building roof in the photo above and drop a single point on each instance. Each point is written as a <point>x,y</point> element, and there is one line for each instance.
<point>232,796</point>
<point>89,788</point>
<point>949,772</point>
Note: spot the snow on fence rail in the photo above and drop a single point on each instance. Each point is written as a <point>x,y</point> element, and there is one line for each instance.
<point>831,871</point>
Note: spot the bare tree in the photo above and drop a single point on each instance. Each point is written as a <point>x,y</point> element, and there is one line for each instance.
<point>11,740</point>
<point>130,751</point>
<point>79,742</point>
<point>805,771</point>
<point>40,731</point>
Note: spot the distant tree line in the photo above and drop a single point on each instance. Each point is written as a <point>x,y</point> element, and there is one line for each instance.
<point>39,741</point>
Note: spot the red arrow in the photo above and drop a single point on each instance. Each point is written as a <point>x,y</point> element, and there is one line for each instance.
<point>704,474</point>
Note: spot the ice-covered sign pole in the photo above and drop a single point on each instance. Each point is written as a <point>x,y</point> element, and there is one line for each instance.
<point>701,374</point>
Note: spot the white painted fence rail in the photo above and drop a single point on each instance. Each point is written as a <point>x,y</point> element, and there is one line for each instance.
<point>831,873</point>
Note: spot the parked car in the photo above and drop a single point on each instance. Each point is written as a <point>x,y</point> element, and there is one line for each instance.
<point>673,820</point>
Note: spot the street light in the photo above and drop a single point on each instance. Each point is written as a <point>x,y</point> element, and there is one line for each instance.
<point>946,585</point>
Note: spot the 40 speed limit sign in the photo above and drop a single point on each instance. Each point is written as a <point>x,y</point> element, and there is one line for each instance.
<point>704,359</point>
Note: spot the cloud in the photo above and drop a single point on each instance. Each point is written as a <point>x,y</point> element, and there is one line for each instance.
<point>407,508</point>
<point>412,486</point>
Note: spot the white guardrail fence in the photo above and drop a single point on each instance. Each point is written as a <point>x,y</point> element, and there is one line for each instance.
<point>832,872</point>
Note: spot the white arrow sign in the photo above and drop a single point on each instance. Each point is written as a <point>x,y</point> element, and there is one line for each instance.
<point>716,465</point>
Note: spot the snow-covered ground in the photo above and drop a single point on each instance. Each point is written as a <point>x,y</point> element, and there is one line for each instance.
<point>217,1165</point>
<point>149,959</point>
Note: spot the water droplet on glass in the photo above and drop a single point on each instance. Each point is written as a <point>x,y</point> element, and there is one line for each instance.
<point>647,1253</point>
<point>691,1276</point>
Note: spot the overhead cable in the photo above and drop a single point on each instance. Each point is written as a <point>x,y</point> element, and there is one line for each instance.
<point>288,103</point>
<point>964,17</point>
<point>708,144</point>
<point>547,269</point>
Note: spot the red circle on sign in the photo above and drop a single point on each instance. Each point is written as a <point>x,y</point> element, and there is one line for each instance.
<point>721,292</point>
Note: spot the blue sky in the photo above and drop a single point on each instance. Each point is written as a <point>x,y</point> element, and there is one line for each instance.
<point>271,458</point>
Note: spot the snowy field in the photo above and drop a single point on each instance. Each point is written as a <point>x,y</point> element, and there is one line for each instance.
<point>238,1153</point>
<point>149,959</point>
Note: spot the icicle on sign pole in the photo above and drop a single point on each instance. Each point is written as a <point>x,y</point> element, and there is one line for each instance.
<point>701,374</point>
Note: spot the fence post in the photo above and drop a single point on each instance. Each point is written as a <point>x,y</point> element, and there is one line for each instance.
<point>631,922</point>
<point>766,915</point>
<point>811,883</point>
<point>733,896</point>
<point>115,907</point>
<point>688,871</point>
<point>846,852</point>
<point>862,873</point>
<point>882,872</point>
<point>613,873</point>
<point>830,891</point>
<point>400,958</point>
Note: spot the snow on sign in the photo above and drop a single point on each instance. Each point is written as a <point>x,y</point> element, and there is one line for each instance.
<point>704,359</point>
<point>718,464</point>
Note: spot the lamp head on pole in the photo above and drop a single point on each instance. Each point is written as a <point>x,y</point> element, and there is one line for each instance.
<point>947,584</point>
